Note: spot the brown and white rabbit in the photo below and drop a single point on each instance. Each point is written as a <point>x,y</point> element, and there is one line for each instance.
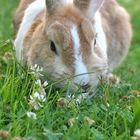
<point>72,37</point>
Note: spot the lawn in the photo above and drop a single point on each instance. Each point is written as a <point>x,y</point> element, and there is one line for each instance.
<point>112,114</point>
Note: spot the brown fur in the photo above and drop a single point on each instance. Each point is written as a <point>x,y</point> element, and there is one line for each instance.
<point>116,25</point>
<point>119,28</point>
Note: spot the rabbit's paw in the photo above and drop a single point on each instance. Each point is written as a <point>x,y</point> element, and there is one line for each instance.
<point>110,79</point>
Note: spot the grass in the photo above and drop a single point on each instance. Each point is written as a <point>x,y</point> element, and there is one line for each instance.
<point>116,112</point>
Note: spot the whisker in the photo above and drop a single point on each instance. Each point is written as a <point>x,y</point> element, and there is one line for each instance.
<point>72,77</point>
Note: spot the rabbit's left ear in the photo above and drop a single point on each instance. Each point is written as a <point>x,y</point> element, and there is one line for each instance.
<point>90,7</point>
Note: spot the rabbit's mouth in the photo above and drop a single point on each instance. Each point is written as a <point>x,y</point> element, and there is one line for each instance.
<point>64,79</point>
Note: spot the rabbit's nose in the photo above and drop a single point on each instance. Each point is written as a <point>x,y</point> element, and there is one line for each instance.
<point>82,79</point>
<point>85,87</point>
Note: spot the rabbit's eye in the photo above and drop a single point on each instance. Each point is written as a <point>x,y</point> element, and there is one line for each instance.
<point>95,40</point>
<point>53,47</point>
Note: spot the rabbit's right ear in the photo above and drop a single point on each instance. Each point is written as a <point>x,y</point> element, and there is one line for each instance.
<point>52,5</point>
<point>89,7</point>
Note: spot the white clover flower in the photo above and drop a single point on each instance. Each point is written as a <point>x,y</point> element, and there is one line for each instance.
<point>42,98</point>
<point>36,95</point>
<point>137,133</point>
<point>108,105</point>
<point>71,122</point>
<point>134,138</point>
<point>34,67</point>
<point>38,82</point>
<point>45,84</point>
<point>36,70</point>
<point>37,107</point>
<point>37,99</point>
<point>42,91</point>
<point>39,69</point>
<point>88,121</point>
<point>34,104</point>
<point>31,115</point>
<point>81,97</point>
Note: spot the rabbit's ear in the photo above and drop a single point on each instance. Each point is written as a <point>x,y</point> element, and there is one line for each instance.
<point>52,5</point>
<point>90,7</point>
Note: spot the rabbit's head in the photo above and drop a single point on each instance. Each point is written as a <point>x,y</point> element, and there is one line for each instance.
<point>68,46</point>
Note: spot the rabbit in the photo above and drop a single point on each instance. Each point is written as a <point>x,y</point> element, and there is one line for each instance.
<point>81,39</point>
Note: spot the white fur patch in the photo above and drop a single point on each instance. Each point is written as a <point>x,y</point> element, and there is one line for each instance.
<point>30,13</point>
<point>80,67</point>
<point>101,38</point>
<point>94,6</point>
